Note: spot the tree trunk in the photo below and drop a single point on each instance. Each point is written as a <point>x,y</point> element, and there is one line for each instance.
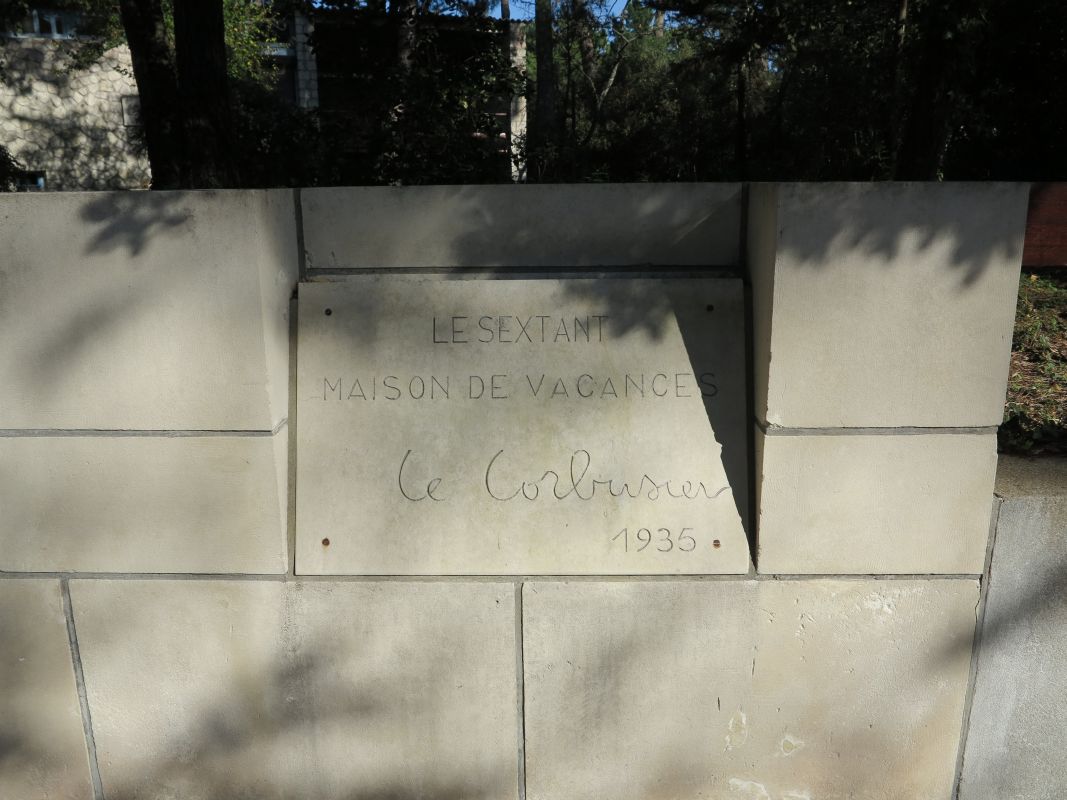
<point>505,30</point>
<point>896,68</point>
<point>583,20</point>
<point>157,89</point>
<point>505,33</point>
<point>601,94</point>
<point>200,54</point>
<point>407,15</point>
<point>927,127</point>
<point>741,140</point>
<point>545,112</point>
<point>659,24</point>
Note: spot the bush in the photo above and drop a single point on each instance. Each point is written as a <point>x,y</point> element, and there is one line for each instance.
<point>1035,415</point>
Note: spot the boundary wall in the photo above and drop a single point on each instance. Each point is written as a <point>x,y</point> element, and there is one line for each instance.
<point>156,640</point>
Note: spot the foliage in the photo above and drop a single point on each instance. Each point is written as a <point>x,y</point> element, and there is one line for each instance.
<point>277,145</point>
<point>439,119</point>
<point>448,129</point>
<point>660,90</point>
<point>1035,416</point>
<point>248,24</point>
<point>808,89</point>
<point>9,170</point>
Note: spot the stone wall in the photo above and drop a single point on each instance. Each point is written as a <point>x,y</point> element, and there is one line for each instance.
<point>79,127</point>
<point>1012,751</point>
<point>174,621</point>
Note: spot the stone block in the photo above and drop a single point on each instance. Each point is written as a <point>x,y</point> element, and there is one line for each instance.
<point>884,305</point>
<point>42,741</point>
<point>213,504</point>
<point>533,225</point>
<point>874,504</point>
<point>145,311</point>
<point>1042,477</point>
<point>271,689</point>
<point>436,437</point>
<point>1014,742</point>
<point>755,690</point>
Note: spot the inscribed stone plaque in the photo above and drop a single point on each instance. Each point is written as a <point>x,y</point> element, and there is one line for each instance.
<point>579,426</point>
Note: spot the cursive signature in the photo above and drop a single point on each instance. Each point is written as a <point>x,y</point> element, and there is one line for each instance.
<point>578,481</point>
<point>579,484</point>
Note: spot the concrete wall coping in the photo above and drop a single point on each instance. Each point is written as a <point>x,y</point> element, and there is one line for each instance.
<point>1018,476</point>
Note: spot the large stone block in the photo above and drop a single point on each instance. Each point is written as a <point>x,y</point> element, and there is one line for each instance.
<point>522,226</point>
<point>521,426</point>
<point>874,504</point>
<point>744,690</point>
<point>213,504</point>
<point>42,741</point>
<point>883,305</point>
<point>1014,743</point>
<point>332,691</point>
<point>146,311</point>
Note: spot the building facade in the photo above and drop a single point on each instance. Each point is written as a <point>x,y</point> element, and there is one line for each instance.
<point>68,128</point>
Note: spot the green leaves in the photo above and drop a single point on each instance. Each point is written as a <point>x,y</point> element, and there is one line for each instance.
<point>1035,415</point>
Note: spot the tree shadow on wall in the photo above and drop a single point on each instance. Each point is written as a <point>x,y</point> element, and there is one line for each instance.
<point>776,690</point>
<point>324,691</point>
<point>95,304</point>
<point>125,224</point>
<point>964,227</point>
<point>123,228</point>
<point>38,735</point>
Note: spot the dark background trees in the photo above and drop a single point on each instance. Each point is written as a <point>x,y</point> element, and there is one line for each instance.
<point>412,92</point>
<point>405,102</point>
<point>813,89</point>
<point>416,91</point>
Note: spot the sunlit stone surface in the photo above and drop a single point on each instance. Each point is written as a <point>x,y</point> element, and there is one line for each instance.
<point>871,504</point>
<point>522,226</point>
<point>883,304</point>
<point>769,690</point>
<point>42,741</point>
<point>262,689</point>
<point>145,310</point>
<point>143,503</point>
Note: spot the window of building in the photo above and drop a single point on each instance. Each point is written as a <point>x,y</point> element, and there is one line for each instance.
<point>131,110</point>
<point>50,23</point>
<point>29,181</point>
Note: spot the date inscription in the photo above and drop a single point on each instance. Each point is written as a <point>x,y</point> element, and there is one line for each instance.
<point>664,540</point>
